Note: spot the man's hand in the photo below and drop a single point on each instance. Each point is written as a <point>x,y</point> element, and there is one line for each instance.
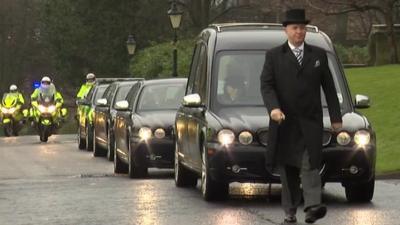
<point>336,126</point>
<point>277,115</point>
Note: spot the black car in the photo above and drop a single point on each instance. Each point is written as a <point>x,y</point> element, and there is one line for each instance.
<point>104,117</point>
<point>144,126</point>
<point>85,116</point>
<point>222,132</point>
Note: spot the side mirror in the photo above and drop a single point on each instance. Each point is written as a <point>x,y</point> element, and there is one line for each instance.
<point>101,102</point>
<point>193,100</point>
<point>362,102</point>
<point>122,105</point>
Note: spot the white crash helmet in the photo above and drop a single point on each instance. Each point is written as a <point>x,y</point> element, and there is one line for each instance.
<point>46,80</point>
<point>13,88</point>
<point>90,77</point>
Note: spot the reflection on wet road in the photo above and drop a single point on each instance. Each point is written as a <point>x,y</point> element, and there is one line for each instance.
<point>55,183</point>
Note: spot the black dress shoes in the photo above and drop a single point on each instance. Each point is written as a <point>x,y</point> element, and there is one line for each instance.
<point>289,220</point>
<point>315,213</point>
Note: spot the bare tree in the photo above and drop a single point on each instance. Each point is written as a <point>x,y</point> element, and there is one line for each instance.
<point>385,8</point>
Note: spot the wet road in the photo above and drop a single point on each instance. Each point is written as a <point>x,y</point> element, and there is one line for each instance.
<point>55,183</point>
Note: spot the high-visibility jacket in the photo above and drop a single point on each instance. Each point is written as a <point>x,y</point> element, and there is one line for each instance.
<point>84,90</point>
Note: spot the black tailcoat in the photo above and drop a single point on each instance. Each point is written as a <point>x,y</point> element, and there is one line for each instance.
<point>296,90</point>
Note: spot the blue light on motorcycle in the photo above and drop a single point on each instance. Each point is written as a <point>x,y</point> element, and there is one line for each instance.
<point>36,84</point>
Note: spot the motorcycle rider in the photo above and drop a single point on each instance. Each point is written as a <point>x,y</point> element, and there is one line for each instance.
<point>14,95</point>
<point>47,88</point>
<point>86,87</point>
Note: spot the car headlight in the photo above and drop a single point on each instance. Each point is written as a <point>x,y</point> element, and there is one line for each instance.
<point>159,133</point>
<point>343,138</point>
<point>245,138</point>
<point>226,137</point>
<point>362,137</point>
<point>144,133</point>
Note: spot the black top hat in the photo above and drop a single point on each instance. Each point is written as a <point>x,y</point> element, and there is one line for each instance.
<point>295,16</point>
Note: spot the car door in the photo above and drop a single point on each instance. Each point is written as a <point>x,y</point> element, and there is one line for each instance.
<point>181,122</point>
<point>196,116</point>
<point>101,116</point>
<point>123,123</point>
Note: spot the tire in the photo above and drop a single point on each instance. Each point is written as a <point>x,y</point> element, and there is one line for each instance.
<point>135,171</point>
<point>97,151</point>
<point>183,176</point>
<point>211,189</point>
<point>81,141</point>
<point>89,138</point>
<point>110,145</point>
<point>363,192</point>
<point>8,130</point>
<point>119,166</point>
<point>43,136</point>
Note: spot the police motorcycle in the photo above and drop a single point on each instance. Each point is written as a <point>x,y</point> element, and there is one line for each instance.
<point>46,117</point>
<point>12,117</point>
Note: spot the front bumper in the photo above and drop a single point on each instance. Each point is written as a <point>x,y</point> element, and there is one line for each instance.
<point>338,161</point>
<point>239,163</point>
<point>154,152</point>
<point>247,164</point>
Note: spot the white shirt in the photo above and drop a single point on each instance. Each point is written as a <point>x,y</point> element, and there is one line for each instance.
<point>301,47</point>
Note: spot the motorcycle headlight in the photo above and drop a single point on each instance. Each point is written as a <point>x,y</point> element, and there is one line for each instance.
<point>226,137</point>
<point>144,133</point>
<point>159,133</point>
<point>343,138</point>
<point>4,110</point>
<point>11,110</point>
<point>51,108</point>
<point>245,138</point>
<point>42,108</point>
<point>362,137</point>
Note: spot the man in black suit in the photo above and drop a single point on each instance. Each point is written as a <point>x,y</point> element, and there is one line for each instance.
<point>291,83</point>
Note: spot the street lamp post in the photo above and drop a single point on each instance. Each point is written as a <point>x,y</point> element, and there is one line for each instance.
<point>175,16</point>
<point>131,46</point>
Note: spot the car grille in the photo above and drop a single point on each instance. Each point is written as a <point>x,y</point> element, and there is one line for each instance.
<point>263,137</point>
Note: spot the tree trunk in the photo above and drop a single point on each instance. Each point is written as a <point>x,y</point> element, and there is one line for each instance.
<point>391,37</point>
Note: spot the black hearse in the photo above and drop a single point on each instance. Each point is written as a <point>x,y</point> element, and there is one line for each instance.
<point>221,132</point>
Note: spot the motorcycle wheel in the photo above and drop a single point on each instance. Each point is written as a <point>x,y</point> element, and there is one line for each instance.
<point>8,130</point>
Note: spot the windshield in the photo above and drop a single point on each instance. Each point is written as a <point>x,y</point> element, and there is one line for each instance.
<point>161,97</point>
<point>99,92</point>
<point>238,78</point>
<point>122,93</point>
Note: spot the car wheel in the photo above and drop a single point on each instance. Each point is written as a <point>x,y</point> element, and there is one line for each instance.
<point>110,145</point>
<point>183,176</point>
<point>362,192</point>
<point>211,189</point>
<point>89,138</point>
<point>81,141</point>
<point>119,166</point>
<point>134,170</point>
<point>97,151</point>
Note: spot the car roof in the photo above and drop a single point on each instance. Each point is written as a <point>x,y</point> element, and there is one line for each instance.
<point>262,36</point>
<point>116,79</point>
<point>165,81</point>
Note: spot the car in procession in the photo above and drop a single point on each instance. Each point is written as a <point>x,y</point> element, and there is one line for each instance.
<point>85,116</point>
<point>104,116</point>
<point>144,134</point>
<point>222,124</point>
